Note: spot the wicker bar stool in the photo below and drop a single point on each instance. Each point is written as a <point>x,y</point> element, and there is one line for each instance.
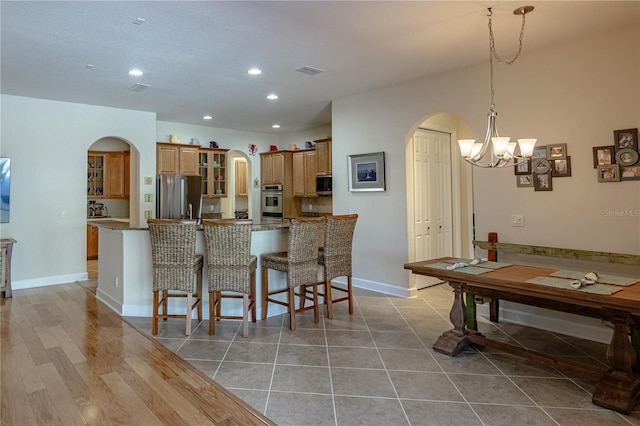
<point>231,268</point>
<point>300,262</point>
<point>335,258</point>
<point>175,265</point>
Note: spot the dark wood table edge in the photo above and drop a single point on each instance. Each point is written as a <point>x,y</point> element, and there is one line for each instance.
<point>618,387</point>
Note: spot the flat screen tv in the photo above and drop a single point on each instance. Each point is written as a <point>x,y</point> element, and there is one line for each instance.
<point>5,187</point>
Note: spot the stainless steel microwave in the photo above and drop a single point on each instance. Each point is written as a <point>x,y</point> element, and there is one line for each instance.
<point>324,185</point>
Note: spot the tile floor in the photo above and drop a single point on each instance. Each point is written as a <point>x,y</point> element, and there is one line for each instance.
<point>376,367</point>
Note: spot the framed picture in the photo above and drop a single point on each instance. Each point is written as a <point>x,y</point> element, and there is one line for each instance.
<point>627,138</point>
<point>539,152</point>
<point>627,157</point>
<point>524,181</point>
<point>366,172</point>
<point>610,173</point>
<point>630,172</point>
<point>542,182</point>
<point>523,168</point>
<point>540,165</point>
<point>603,155</point>
<point>556,151</point>
<point>561,167</point>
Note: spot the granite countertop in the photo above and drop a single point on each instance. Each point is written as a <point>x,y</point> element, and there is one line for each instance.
<point>120,225</point>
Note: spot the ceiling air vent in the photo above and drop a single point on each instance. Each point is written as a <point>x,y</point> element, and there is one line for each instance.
<point>138,87</point>
<point>310,70</point>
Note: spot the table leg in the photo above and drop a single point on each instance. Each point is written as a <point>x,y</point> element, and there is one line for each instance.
<point>618,389</point>
<point>454,341</point>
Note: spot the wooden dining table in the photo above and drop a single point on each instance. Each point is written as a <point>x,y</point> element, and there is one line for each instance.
<point>618,385</point>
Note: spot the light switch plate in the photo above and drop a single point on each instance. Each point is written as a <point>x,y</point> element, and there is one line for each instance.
<point>517,220</point>
<point>148,180</point>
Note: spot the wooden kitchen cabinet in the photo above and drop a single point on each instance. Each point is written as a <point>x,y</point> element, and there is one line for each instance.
<point>272,168</point>
<point>242,189</point>
<point>107,174</point>
<point>213,172</point>
<point>127,174</point>
<point>115,175</point>
<point>176,159</point>
<point>323,157</point>
<point>92,242</point>
<point>304,173</point>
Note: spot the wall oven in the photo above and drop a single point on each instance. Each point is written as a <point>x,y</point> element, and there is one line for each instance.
<point>272,202</point>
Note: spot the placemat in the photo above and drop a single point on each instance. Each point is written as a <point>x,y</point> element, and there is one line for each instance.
<point>467,269</point>
<point>603,289</point>
<point>602,278</point>
<point>486,264</point>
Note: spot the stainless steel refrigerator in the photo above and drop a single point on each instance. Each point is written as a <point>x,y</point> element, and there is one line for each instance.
<point>178,197</point>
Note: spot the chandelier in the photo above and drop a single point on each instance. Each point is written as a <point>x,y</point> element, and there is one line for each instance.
<point>497,151</point>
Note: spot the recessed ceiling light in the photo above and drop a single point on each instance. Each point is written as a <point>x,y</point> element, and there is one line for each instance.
<point>276,126</point>
<point>255,71</point>
<point>139,21</point>
<point>89,66</point>
<point>272,96</point>
<point>135,72</point>
<point>207,117</point>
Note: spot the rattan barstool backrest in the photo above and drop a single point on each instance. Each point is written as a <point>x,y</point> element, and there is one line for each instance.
<point>173,252</point>
<point>338,244</point>
<point>228,247</point>
<point>305,237</point>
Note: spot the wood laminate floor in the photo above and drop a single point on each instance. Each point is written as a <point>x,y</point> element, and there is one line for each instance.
<point>67,359</point>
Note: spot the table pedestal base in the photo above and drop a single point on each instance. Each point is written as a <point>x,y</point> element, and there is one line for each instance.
<point>616,394</point>
<point>451,343</point>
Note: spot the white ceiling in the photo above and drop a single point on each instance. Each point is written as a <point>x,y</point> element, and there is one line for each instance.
<point>195,54</point>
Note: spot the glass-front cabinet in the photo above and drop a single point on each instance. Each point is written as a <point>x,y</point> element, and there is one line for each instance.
<point>213,172</point>
<point>95,175</point>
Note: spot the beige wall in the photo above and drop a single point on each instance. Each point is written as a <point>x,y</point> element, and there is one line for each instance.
<point>576,93</point>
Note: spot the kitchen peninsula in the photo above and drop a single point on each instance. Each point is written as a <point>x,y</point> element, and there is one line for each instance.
<point>125,273</point>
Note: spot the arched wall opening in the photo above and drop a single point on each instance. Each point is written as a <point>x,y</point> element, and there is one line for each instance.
<point>426,188</point>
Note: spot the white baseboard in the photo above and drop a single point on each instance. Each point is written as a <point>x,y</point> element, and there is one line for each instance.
<point>47,281</point>
<point>557,322</point>
<point>109,301</point>
<point>378,287</point>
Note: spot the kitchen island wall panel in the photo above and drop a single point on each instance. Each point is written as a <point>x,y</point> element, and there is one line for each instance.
<point>125,271</point>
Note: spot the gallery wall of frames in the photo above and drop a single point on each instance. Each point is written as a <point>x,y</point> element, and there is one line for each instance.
<point>613,163</point>
<point>620,161</point>
<point>547,163</point>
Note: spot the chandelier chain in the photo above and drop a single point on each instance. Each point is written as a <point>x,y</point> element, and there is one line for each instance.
<point>494,54</point>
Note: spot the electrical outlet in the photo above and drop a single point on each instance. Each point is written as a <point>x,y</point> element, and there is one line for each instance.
<point>148,198</point>
<point>517,220</point>
<point>147,214</point>
<point>148,180</point>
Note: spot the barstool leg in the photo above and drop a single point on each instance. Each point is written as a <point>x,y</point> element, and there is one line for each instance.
<point>292,309</point>
<point>199,294</point>
<point>252,295</point>
<point>265,292</point>
<point>188,317</point>
<point>245,315</point>
<point>165,309</point>
<point>316,319</point>
<point>212,315</point>
<point>328,299</point>
<point>154,326</point>
<point>350,294</point>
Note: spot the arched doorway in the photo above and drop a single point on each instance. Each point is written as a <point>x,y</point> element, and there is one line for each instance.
<point>109,189</point>
<point>439,193</point>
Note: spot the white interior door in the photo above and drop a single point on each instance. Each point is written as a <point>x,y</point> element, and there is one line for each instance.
<point>432,198</point>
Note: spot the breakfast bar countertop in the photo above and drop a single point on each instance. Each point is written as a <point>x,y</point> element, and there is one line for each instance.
<point>122,225</point>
